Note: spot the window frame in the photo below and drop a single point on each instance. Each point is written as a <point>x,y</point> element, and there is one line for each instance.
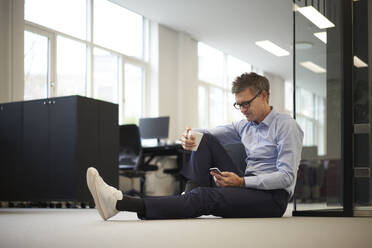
<point>225,87</point>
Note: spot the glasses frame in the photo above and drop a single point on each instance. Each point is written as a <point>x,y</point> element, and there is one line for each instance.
<point>246,104</point>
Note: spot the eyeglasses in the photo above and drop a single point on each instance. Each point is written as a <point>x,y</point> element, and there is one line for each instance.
<point>246,104</point>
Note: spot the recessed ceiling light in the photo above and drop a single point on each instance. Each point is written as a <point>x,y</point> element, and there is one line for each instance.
<point>315,17</point>
<point>359,63</point>
<point>322,36</point>
<point>312,67</point>
<point>272,48</point>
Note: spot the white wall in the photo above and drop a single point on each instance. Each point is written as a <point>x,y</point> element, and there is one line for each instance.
<point>277,90</point>
<point>177,80</point>
<point>11,50</point>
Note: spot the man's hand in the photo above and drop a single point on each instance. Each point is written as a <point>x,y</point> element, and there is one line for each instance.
<point>228,179</point>
<point>187,143</point>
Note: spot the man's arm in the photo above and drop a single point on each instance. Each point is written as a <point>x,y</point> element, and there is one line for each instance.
<point>226,134</point>
<point>289,141</point>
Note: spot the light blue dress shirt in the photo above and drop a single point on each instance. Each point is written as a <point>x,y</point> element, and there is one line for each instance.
<point>273,150</point>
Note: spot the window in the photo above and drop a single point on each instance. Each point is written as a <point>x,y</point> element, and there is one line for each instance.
<point>66,55</point>
<point>118,28</point>
<point>216,107</point>
<point>71,67</point>
<point>59,15</point>
<point>203,106</point>
<point>133,93</point>
<point>106,76</point>
<point>236,67</point>
<point>232,113</point>
<point>216,73</point>
<point>36,66</point>
<point>210,64</point>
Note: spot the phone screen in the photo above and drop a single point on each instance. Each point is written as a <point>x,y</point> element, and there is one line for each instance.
<point>215,170</point>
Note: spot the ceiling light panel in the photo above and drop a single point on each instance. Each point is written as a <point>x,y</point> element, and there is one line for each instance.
<point>272,48</point>
<point>313,67</point>
<point>322,36</point>
<point>359,63</point>
<point>315,17</point>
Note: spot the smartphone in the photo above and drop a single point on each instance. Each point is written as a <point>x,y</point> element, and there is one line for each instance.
<point>215,170</point>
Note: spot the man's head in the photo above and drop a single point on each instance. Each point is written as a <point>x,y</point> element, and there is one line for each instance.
<point>252,96</point>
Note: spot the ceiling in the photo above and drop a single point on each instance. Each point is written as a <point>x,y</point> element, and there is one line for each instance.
<point>232,26</point>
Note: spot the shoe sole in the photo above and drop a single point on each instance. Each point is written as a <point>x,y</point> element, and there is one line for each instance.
<point>92,175</point>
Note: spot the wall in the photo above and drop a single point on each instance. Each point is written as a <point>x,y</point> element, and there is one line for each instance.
<point>177,70</point>
<point>277,90</point>
<point>11,50</point>
<point>168,76</point>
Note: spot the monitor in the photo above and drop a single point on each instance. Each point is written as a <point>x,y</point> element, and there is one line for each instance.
<point>154,128</point>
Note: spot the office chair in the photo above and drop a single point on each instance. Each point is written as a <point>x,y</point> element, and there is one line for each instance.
<point>131,160</point>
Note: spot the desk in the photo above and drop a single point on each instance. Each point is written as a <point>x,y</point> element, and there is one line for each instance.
<point>170,150</point>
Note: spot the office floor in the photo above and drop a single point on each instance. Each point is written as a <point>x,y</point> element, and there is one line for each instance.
<point>84,228</point>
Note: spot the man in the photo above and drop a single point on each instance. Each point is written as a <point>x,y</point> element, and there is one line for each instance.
<point>272,142</point>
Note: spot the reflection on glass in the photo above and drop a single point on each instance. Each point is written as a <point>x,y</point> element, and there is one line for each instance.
<point>36,66</point>
<point>203,107</point>
<point>133,93</point>
<point>288,99</point>
<point>318,108</point>
<point>106,76</point>
<point>71,67</point>
<point>210,64</point>
<point>216,107</point>
<point>118,28</point>
<point>67,16</point>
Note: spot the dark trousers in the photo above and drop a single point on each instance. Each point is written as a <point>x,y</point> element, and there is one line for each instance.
<point>232,202</point>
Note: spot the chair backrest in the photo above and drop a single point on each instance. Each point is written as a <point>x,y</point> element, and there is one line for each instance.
<point>130,145</point>
<point>130,141</point>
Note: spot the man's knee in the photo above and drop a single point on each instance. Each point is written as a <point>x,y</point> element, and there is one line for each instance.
<point>209,200</point>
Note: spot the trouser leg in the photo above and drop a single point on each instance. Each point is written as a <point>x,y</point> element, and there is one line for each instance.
<point>210,153</point>
<point>224,202</point>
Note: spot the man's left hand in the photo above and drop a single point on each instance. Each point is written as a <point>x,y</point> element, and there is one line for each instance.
<point>228,179</point>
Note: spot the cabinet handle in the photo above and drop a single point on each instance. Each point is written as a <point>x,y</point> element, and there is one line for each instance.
<point>50,102</point>
<point>1,108</point>
<point>54,102</point>
<point>44,102</point>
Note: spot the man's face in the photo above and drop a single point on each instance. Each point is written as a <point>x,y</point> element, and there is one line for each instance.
<point>256,109</point>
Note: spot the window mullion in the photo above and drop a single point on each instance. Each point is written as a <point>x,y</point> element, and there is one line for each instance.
<point>53,84</point>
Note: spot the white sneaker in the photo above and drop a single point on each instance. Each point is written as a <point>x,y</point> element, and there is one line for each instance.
<point>105,196</point>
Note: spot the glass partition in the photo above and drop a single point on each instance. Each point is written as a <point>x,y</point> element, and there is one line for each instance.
<point>318,37</point>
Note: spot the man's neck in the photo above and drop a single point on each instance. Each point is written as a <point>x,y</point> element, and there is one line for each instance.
<point>267,111</point>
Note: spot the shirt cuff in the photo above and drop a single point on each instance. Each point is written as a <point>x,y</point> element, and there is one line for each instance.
<point>251,182</point>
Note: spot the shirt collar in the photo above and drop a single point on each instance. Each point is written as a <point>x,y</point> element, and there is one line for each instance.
<point>268,119</point>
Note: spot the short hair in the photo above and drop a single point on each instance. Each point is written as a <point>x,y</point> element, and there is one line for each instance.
<point>253,81</point>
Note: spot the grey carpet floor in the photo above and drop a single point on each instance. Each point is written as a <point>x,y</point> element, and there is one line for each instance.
<point>84,228</point>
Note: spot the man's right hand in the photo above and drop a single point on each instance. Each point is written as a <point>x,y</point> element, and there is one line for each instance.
<point>187,143</point>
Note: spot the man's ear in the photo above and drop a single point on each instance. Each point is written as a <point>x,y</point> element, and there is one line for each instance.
<point>264,94</point>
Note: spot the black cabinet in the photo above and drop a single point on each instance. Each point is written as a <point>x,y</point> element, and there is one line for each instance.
<point>54,142</point>
<point>10,147</point>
